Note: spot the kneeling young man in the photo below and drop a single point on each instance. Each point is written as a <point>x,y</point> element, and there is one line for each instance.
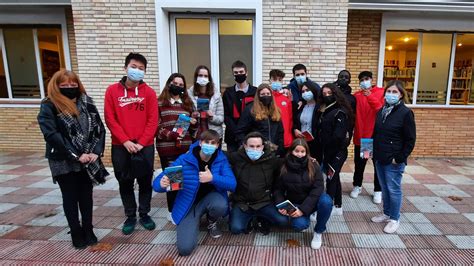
<point>207,177</point>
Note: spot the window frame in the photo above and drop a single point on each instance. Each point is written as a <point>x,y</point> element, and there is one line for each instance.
<point>29,17</point>
<point>431,24</point>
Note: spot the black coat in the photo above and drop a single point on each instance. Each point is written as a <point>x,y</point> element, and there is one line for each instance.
<point>296,186</point>
<point>231,119</point>
<point>58,141</point>
<point>333,134</point>
<point>271,130</point>
<point>314,123</point>
<point>255,179</point>
<point>395,138</point>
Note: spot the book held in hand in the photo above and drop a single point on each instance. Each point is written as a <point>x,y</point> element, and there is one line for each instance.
<point>330,172</point>
<point>202,104</point>
<point>286,205</point>
<point>182,124</point>
<point>366,148</point>
<point>308,136</point>
<point>175,175</point>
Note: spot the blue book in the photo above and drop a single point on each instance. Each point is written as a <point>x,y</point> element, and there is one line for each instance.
<point>286,205</point>
<point>366,148</point>
<point>175,175</point>
<point>203,104</point>
<point>182,124</point>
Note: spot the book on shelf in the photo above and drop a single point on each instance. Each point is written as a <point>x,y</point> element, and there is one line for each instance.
<point>366,148</point>
<point>286,205</point>
<point>182,124</point>
<point>175,175</point>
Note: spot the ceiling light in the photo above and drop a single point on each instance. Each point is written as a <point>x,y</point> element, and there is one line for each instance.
<point>459,44</point>
<point>390,48</point>
<point>406,39</point>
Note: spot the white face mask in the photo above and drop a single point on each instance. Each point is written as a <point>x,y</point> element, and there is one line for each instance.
<point>202,81</point>
<point>366,84</point>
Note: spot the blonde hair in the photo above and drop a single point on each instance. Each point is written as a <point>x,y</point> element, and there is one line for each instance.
<point>62,103</point>
<point>261,111</point>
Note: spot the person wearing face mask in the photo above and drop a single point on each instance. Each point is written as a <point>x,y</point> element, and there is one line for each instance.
<point>207,178</point>
<point>343,81</point>
<point>173,101</point>
<point>301,182</point>
<point>282,98</point>
<point>300,76</point>
<point>204,88</point>
<point>394,140</point>
<point>305,118</point>
<point>131,114</point>
<point>369,100</point>
<point>255,167</point>
<point>263,116</point>
<point>235,99</point>
<point>332,139</point>
<point>75,141</point>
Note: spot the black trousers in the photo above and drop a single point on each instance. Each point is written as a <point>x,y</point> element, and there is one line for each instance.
<point>121,162</point>
<point>76,189</point>
<point>170,196</point>
<point>359,164</point>
<point>333,185</point>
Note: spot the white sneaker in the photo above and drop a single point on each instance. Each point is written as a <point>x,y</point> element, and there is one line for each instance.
<point>313,216</point>
<point>382,218</point>
<point>355,192</point>
<point>336,211</point>
<point>170,218</point>
<point>317,241</point>
<point>377,199</point>
<point>391,226</point>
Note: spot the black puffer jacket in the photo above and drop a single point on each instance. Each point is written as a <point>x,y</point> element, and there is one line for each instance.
<point>58,141</point>
<point>295,185</point>
<point>271,130</point>
<point>255,179</point>
<point>395,138</point>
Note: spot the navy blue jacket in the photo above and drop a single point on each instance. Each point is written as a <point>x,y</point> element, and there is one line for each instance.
<point>296,93</point>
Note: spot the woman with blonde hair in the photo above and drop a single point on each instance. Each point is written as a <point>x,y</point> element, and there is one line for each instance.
<point>263,116</point>
<point>75,140</point>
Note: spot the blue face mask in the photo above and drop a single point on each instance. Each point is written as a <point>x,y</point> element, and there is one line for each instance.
<point>307,95</point>
<point>300,79</point>
<point>391,99</point>
<point>254,154</point>
<point>135,74</point>
<point>366,84</point>
<point>277,86</point>
<point>208,149</point>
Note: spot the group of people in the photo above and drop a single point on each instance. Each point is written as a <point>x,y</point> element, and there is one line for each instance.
<point>285,146</point>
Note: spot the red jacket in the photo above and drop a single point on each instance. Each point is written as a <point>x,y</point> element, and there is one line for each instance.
<point>284,103</point>
<point>129,116</point>
<point>366,111</point>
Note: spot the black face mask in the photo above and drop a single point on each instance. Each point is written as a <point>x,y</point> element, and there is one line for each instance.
<point>302,160</point>
<point>266,100</point>
<point>176,90</point>
<point>240,78</point>
<point>329,99</point>
<point>71,92</point>
<point>343,83</point>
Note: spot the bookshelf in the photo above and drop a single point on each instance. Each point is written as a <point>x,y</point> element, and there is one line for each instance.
<point>461,84</point>
<point>404,72</point>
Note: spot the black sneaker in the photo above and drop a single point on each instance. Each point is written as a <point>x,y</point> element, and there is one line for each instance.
<point>129,225</point>
<point>77,237</point>
<point>147,222</point>
<point>262,226</point>
<point>214,232</point>
<point>89,236</point>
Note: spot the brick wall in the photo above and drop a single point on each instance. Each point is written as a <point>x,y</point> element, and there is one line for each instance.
<point>309,32</point>
<point>19,130</point>
<point>71,38</point>
<point>363,40</point>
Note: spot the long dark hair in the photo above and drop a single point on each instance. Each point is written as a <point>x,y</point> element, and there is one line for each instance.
<point>312,87</point>
<point>340,99</point>
<point>165,95</point>
<point>311,169</point>
<point>209,86</point>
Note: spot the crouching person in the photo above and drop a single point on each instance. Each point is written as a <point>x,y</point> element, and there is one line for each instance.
<point>255,167</point>
<point>301,183</point>
<point>207,177</point>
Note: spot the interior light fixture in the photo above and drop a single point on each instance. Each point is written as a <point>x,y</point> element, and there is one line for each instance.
<point>406,39</point>
<point>459,44</point>
<point>390,48</point>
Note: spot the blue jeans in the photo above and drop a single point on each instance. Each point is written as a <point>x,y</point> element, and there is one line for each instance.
<point>324,212</point>
<point>214,204</point>
<point>390,178</point>
<point>239,219</point>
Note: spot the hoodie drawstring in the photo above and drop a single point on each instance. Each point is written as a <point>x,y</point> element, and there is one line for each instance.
<point>125,91</point>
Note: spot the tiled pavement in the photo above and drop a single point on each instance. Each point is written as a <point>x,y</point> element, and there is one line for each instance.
<point>436,224</point>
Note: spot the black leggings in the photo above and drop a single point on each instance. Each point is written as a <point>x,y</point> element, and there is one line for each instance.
<point>76,189</point>
<point>333,186</point>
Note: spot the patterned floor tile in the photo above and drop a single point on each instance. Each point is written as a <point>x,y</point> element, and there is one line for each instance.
<point>7,206</point>
<point>414,241</point>
<point>431,204</point>
<point>359,227</point>
<point>415,217</point>
<point>5,177</point>
<point>169,237</point>
<point>469,216</point>
<point>337,227</point>
<point>447,190</point>
<point>413,169</point>
<point>462,242</point>
<point>366,241</point>
<point>280,238</point>
<point>407,229</point>
<point>449,229</point>
<point>47,200</point>
<point>427,229</point>
<point>32,233</point>
<point>438,242</point>
<point>390,241</point>
<point>457,179</point>
<point>64,235</point>
<point>5,229</point>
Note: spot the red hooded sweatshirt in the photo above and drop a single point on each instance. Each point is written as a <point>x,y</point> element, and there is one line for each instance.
<point>366,111</point>
<point>131,113</point>
<point>284,103</point>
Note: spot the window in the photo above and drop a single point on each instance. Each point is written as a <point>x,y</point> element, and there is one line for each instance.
<point>214,41</point>
<point>424,62</point>
<point>30,56</point>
